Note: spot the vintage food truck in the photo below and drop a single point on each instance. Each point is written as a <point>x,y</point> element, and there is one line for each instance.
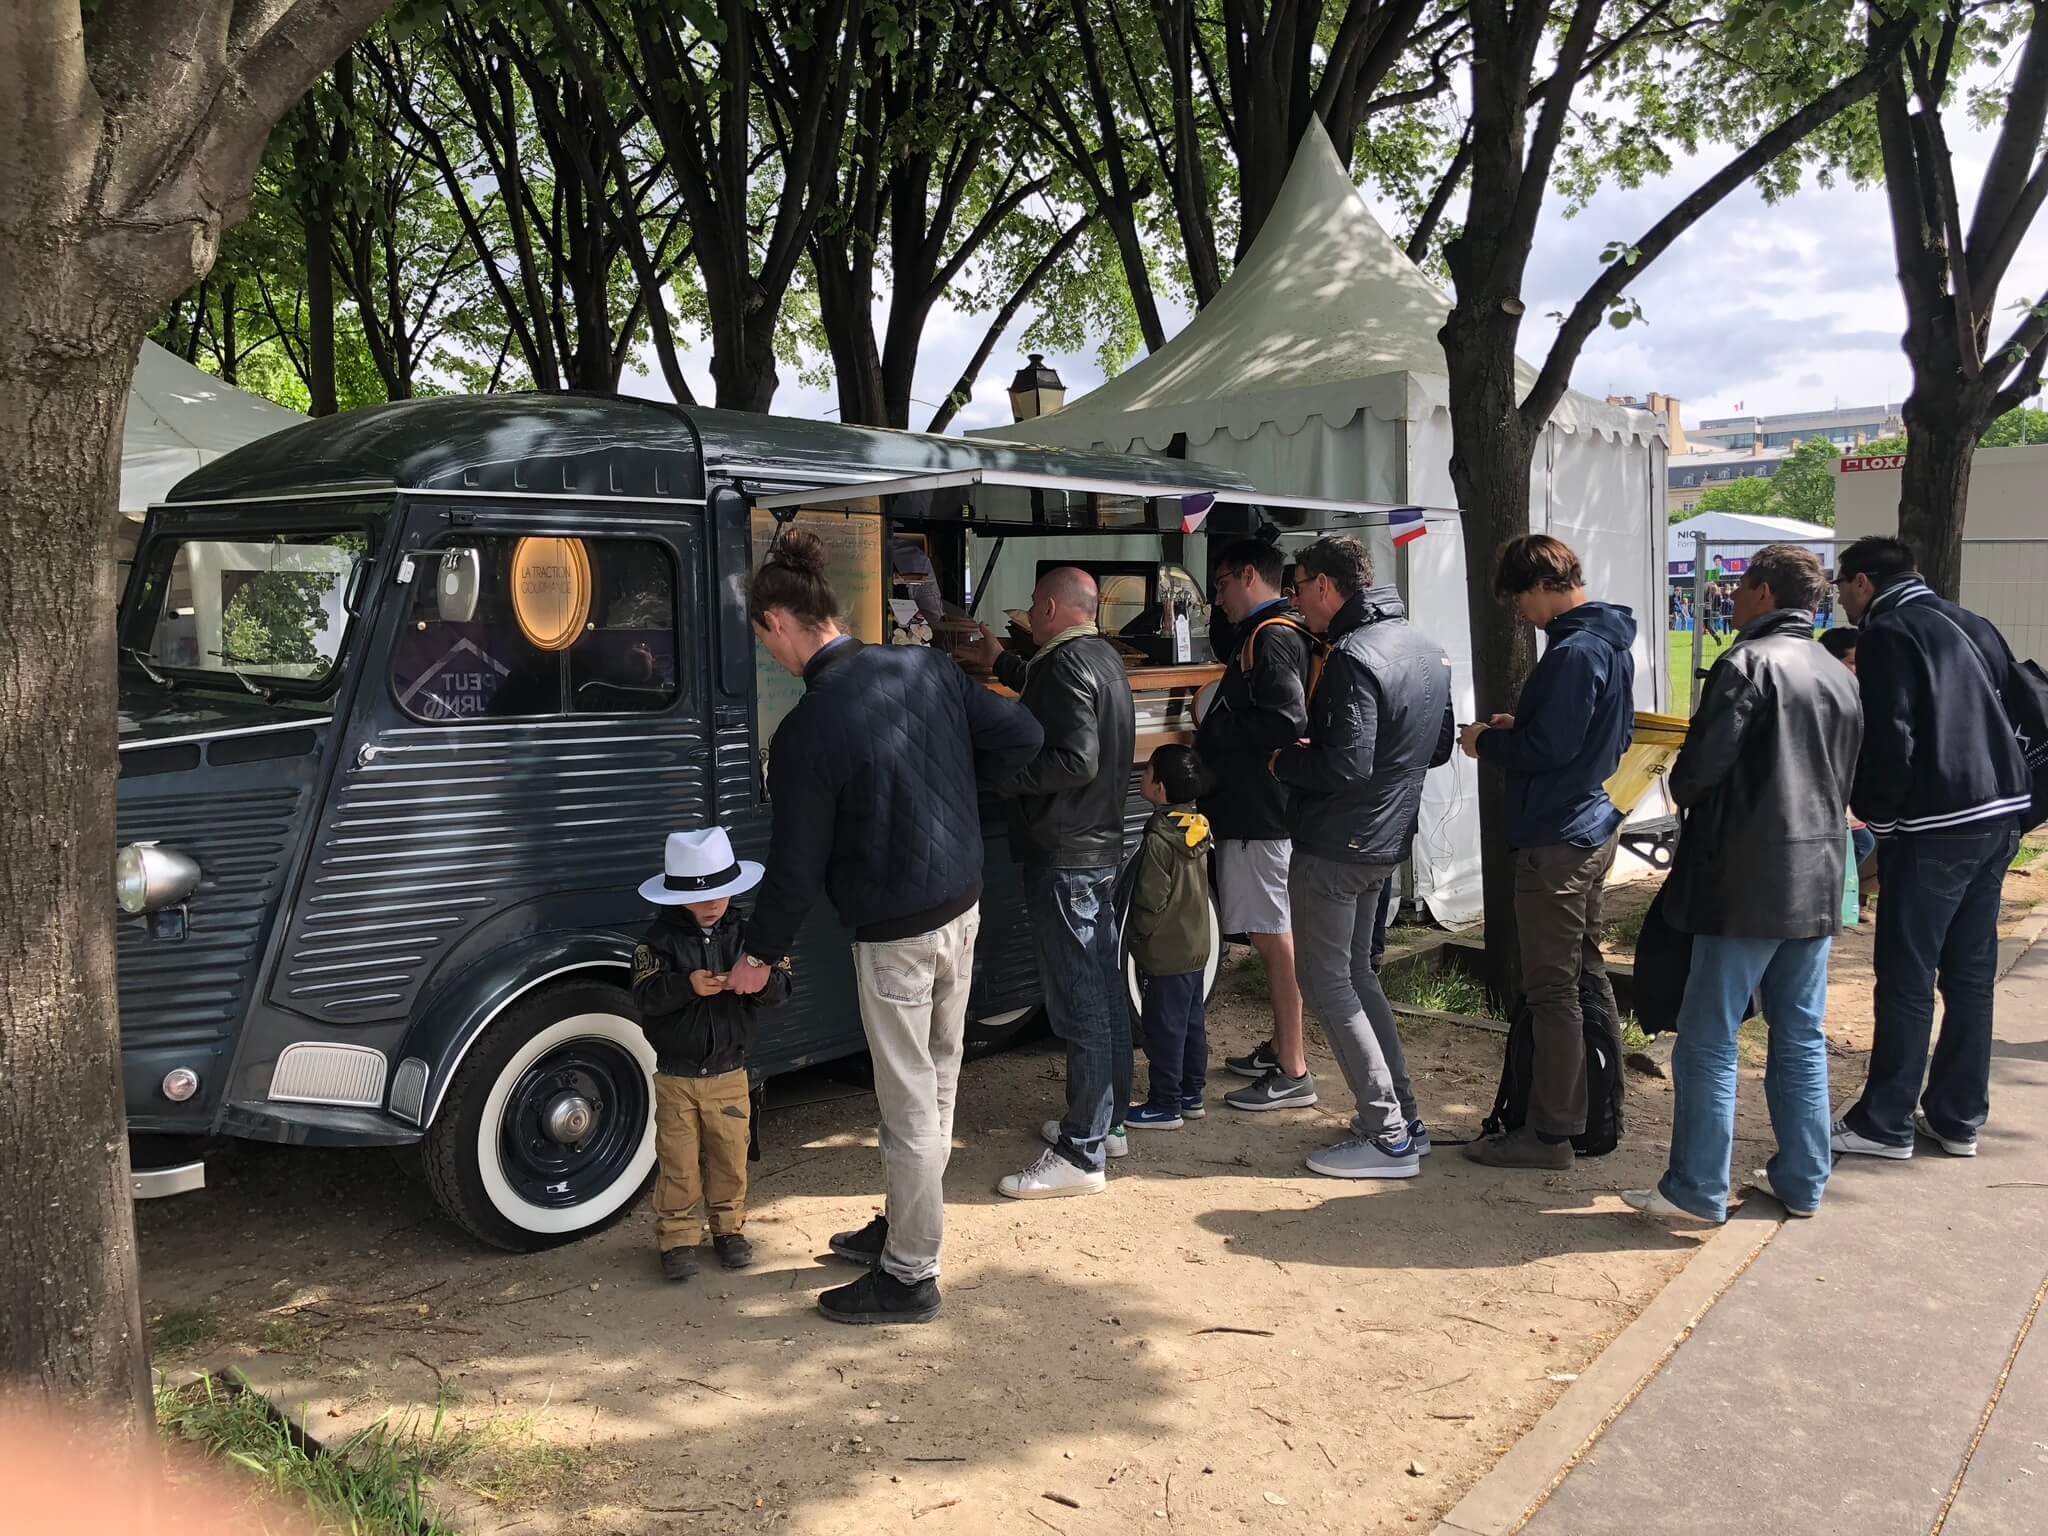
<point>410,697</point>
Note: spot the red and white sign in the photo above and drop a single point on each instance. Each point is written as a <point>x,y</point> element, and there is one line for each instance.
<point>1851,466</point>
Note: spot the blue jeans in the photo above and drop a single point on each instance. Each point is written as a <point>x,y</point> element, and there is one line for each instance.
<point>1792,977</point>
<point>1863,842</point>
<point>1073,926</point>
<point>1937,920</point>
<point>1176,1039</point>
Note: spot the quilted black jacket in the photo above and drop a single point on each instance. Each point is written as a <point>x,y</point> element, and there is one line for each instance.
<point>1379,718</point>
<point>1067,804</point>
<point>872,783</point>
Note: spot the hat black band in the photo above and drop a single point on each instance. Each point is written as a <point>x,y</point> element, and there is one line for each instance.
<point>725,876</point>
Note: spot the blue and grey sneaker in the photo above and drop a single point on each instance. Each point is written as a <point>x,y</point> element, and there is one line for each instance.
<point>1276,1090</point>
<point>1256,1065</point>
<point>1192,1107</point>
<point>1418,1133</point>
<point>1116,1144</point>
<point>1148,1117</point>
<point>1367,1157</point>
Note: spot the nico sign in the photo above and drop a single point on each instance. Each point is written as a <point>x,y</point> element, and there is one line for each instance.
<point>1851,466</point>
<point>551,591</point>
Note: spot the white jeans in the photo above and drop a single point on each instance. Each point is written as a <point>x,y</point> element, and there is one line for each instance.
<point>913,1005</point>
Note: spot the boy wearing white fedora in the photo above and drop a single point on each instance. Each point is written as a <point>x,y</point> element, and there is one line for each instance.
<point>700,1031</point>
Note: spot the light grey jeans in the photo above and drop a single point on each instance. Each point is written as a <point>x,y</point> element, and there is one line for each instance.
<point>1333,905</point>
<point>913,1005</point>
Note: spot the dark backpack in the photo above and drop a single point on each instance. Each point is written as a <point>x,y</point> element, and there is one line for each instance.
<point>1603,1075</point>
<point>2026,700</point>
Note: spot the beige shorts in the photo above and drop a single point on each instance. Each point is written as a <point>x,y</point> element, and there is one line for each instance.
<point>1251,885</point>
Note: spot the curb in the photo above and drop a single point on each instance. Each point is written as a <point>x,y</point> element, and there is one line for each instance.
<point>1503,1500</point>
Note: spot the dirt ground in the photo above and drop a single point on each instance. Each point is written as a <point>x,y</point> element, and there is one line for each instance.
<point>1222,1339</point>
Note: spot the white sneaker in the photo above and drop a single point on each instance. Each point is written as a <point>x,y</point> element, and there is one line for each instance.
<point>1651,1202</point>
<point>1846,1140</point>
<point>1761,1179</point>
<point>1953,1146</point>
<point>1366,1157</point>
<point>1052,1177</point>
<point>1115,1144</point>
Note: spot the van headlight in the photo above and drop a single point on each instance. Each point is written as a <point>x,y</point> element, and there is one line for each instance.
<point>149,877</point>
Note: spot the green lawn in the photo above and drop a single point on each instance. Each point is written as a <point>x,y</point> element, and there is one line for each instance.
<point>1681,665</point>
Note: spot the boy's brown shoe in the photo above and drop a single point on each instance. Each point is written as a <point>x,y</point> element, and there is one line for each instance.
<point>734,1251</point>
<point>678,1263</point>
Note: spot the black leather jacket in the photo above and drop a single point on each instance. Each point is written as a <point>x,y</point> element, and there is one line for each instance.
<point>1764,784</point>
<point>1067,806</point>
<point>1379,718</point>
<point>697,1036</point>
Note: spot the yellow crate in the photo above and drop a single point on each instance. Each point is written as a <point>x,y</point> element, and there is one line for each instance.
<point>1655,747</point>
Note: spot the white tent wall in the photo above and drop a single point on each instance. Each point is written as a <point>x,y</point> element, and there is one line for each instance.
<point>1317,371</point>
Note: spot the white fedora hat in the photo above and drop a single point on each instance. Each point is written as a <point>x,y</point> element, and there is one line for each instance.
<point>699,866</point>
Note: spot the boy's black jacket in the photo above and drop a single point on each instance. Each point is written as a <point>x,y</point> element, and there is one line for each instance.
<point>696,1036</point>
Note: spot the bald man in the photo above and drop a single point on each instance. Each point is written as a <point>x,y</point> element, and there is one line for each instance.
<point>1067,834</point>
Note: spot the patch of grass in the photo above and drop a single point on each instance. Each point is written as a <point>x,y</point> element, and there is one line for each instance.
<point>1681,665</point>
<point>1419,984</point>
<point>1632,1036</point>
<point>371,1484</point>
<point>1251,970</point>
<point>287,1336</point>
<point>2029,851</point>
<point>1623,932</point>
<point>1752,1043</point>
<point>182,1330</point>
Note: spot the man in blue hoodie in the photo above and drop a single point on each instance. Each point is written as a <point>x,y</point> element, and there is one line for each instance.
<point>1576,716</point>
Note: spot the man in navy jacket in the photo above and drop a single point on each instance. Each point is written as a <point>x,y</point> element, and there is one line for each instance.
<point>1576,715</point>
<point>1942,781</point>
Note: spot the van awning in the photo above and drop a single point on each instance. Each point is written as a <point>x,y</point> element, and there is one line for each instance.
<point>1011,501</point>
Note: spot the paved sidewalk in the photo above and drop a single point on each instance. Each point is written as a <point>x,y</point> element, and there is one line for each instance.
<point>1881,1370</point>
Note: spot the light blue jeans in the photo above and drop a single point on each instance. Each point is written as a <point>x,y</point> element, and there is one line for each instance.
<point>1791,976</point>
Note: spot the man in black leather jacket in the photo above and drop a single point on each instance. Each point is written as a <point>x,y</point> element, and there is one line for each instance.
<point>1067,832</point>
<point>1379,718</point>
<point>1758,882</point>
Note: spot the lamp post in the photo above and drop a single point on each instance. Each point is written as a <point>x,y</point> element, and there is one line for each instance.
<point>1036,391</point>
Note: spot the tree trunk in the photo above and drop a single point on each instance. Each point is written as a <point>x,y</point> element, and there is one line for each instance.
<point>230,343</point>
<point>70,1308</point>
<point>1941,441</point>
<point>846,310</point>
<point>320,313</point>
<point>1490,459</point>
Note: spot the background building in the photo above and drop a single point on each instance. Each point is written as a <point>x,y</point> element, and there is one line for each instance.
<point>1690,476</point>
<point>1846,427</point>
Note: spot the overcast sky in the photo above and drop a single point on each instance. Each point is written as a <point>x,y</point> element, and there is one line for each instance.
<point>1770,309</point>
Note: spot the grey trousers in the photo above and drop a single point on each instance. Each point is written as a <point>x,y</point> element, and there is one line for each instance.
<point>913,1005</point>
<point>1333,905</point>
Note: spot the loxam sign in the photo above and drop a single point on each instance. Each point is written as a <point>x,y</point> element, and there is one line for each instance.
<point>1873,461</point>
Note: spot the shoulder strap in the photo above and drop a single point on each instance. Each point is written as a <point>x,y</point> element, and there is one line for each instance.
<point>1247,652</point>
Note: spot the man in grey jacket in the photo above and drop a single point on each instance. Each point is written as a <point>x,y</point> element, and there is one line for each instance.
<point>1763,782</point>
<point>1379,717</point>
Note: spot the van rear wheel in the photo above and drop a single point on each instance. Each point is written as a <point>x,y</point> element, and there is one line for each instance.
<point>546,1133</point>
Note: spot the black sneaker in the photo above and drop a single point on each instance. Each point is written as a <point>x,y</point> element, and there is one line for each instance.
<point>1276,1090</point>
<point>1257,1065</point>
<point>678,1263</point>
<point>879,1297</point>
<point>864,1246</point>
<point>734,1251</point>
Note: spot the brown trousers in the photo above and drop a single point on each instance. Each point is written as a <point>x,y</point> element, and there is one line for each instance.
<point>700,1139</point>
<point>1557,913</point>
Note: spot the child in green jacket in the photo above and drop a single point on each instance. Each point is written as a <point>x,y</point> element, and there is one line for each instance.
<point>1171,940</point>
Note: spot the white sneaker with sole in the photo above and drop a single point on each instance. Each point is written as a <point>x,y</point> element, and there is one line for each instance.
<point>1952,1145</point>
<point>1847,1141</point>
<point>1052,1177</point>
<point>1761,1180</point>
<point>1115,1144</point>
<point>1651,1202</point>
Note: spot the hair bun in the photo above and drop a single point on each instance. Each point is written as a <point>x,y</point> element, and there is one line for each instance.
<point>801,551</point>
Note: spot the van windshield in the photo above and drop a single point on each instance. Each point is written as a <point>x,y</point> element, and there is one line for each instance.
<point>259,608</point>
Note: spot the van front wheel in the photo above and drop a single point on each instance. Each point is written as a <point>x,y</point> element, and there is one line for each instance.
<point>546,1133</point>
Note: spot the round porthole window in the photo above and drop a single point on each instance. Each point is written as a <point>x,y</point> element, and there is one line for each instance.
<point>551,591</point>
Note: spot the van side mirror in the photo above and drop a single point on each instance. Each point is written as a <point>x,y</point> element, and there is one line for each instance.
<point>458,585</point>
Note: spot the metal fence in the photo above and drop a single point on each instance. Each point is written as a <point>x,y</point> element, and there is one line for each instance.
<point>2005,580</point>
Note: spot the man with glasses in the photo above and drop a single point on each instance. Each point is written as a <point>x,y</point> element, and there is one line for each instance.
<point>1943,783</point>
<point>1379,718</point>
<point>1260,707</point>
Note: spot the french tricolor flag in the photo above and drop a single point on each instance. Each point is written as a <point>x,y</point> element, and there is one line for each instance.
<point>1406,525</point>
<point>1195,510</point>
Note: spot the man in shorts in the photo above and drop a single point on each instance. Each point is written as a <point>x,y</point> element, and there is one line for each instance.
<point>1258,709</point>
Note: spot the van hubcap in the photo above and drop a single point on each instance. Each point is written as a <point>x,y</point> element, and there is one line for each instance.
<point>574,1122</point>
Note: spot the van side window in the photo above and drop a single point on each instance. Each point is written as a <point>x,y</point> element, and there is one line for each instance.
<point>501,627</point>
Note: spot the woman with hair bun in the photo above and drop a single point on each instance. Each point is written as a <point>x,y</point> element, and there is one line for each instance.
<point>872,781</point>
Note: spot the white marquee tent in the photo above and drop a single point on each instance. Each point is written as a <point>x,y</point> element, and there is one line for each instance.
<point>1317,371</point>
<point>180,418</point>
<point>1737,534</point>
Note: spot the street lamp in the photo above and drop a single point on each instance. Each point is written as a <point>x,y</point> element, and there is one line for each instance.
<point>1036,391</point>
